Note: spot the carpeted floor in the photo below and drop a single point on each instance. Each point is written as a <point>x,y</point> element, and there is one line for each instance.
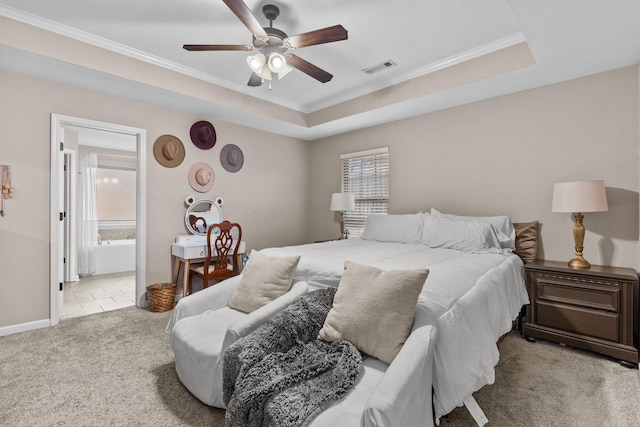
<point>116,368</point>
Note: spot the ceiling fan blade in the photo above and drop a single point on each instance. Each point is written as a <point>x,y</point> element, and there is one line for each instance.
<point>244,14</point>
<point>255,80</point>
<point>323,35</point>
<point>308,68</point>
<point>206,47</point>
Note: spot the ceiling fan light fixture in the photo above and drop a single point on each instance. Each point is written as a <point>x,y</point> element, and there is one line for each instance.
<point>265,73</point>
<point>286,69</point>
<point>272,43</point>
<point>277,62</point>
<point>256,62</point>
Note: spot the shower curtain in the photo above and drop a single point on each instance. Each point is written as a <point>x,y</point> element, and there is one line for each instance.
<point>87,213</point>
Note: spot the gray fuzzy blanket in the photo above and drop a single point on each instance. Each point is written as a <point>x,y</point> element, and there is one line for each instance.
<point>281,374</point>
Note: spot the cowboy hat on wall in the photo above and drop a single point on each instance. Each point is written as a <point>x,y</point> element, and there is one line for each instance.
<point>232,158</point>
<point>201,177</point>
<point>168,151</point>
<point>203,135</point>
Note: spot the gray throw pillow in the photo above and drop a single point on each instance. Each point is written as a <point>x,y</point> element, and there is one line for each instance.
<point>264,279</point>
<point>374,309</point>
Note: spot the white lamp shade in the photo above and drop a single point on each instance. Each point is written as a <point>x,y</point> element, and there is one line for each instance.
<point>284,71</point>
<point>579,196</point>
<point>256,62</point>
<point>276,62</point>
<point>265,73</point>
<point>343,202</point>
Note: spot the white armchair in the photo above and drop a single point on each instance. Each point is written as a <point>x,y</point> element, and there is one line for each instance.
<point>202,326</point>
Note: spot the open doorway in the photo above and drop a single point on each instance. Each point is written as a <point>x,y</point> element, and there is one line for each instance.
<point>117,154</point>
<point>100,170</point>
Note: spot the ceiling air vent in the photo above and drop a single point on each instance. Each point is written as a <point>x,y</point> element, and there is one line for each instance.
<point>379,67</point>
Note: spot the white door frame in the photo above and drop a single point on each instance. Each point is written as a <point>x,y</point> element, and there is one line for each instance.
<point>58,122</point>
<point>70,252</point>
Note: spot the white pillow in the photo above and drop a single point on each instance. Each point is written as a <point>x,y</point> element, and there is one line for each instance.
<point>466,236</point>
<point>264,279</point>
<point>374,309</point>
<point>393,228</point>
<point>504,228</point>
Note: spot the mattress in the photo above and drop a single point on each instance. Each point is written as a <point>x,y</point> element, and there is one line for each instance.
<point>473,299</point>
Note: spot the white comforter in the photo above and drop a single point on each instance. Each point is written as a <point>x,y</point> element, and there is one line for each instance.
<point>473,299</point>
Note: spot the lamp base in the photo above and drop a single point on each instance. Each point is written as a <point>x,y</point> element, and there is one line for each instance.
<point>579,262</point>
<point>343,233</point>
<point>578,236</point>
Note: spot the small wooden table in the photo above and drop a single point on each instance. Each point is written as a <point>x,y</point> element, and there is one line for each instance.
<point>194,252</point>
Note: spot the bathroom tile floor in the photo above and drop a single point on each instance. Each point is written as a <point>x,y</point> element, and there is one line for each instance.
<point>95,294</point>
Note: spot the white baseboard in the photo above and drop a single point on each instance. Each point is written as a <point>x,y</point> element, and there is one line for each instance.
<point>24,327</point>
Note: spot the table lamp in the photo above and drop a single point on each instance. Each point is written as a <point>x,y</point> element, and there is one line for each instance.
<point>342,202</point>
<point>579,197</point>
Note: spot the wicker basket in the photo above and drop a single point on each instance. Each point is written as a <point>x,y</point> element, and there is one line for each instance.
<point>161,296</point>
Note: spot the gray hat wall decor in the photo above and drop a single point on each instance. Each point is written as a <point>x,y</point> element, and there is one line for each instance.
<point>231,158</point>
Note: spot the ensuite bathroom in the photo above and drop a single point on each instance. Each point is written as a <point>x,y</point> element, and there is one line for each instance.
<point>100,221</point>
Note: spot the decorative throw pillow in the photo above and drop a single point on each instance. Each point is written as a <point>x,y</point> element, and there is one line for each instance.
<point>373,309</point>
<point>526,240</point>
<point>264,279</point>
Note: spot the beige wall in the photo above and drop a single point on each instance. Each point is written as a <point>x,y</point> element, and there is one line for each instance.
<point>268,196</point>
<point>499,156</point>
<point>502,156</point>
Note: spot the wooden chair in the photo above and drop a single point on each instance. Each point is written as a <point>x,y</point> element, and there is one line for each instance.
<point>223,241</point>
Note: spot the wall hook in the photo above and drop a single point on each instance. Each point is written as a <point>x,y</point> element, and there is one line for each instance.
<point>7,189</point>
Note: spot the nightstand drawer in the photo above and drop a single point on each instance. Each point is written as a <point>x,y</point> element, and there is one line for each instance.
<point>597,324</point>
<point>581,293</point>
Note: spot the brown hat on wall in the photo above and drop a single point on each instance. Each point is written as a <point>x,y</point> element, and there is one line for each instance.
<point>203,135</point>
<point>168,151</point>
<point>201,177</point>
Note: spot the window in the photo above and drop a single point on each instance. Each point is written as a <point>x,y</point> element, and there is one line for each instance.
<point>116,194</point>
<point>366,175</point>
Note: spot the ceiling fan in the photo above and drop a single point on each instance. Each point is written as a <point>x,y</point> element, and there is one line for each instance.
<point>272,45</point>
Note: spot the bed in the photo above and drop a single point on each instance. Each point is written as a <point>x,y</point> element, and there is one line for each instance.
<point>474,291</point>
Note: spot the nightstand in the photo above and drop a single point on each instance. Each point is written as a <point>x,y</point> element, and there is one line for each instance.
<point>594,309</point>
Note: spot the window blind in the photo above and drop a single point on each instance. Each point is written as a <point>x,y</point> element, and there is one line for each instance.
<point>366,175</point>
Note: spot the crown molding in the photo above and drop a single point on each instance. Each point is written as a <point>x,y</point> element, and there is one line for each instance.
<point>85,37</point>
<point>477,52</point>
<point>119,48</point>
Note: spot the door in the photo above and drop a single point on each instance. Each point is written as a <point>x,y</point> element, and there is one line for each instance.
<point>57,290</point>
<point>57,219</point>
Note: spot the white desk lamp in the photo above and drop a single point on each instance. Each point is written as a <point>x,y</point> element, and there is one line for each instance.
<point>341,202</point>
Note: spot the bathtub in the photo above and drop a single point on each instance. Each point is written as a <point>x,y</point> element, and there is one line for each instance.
<point>114,256</point>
